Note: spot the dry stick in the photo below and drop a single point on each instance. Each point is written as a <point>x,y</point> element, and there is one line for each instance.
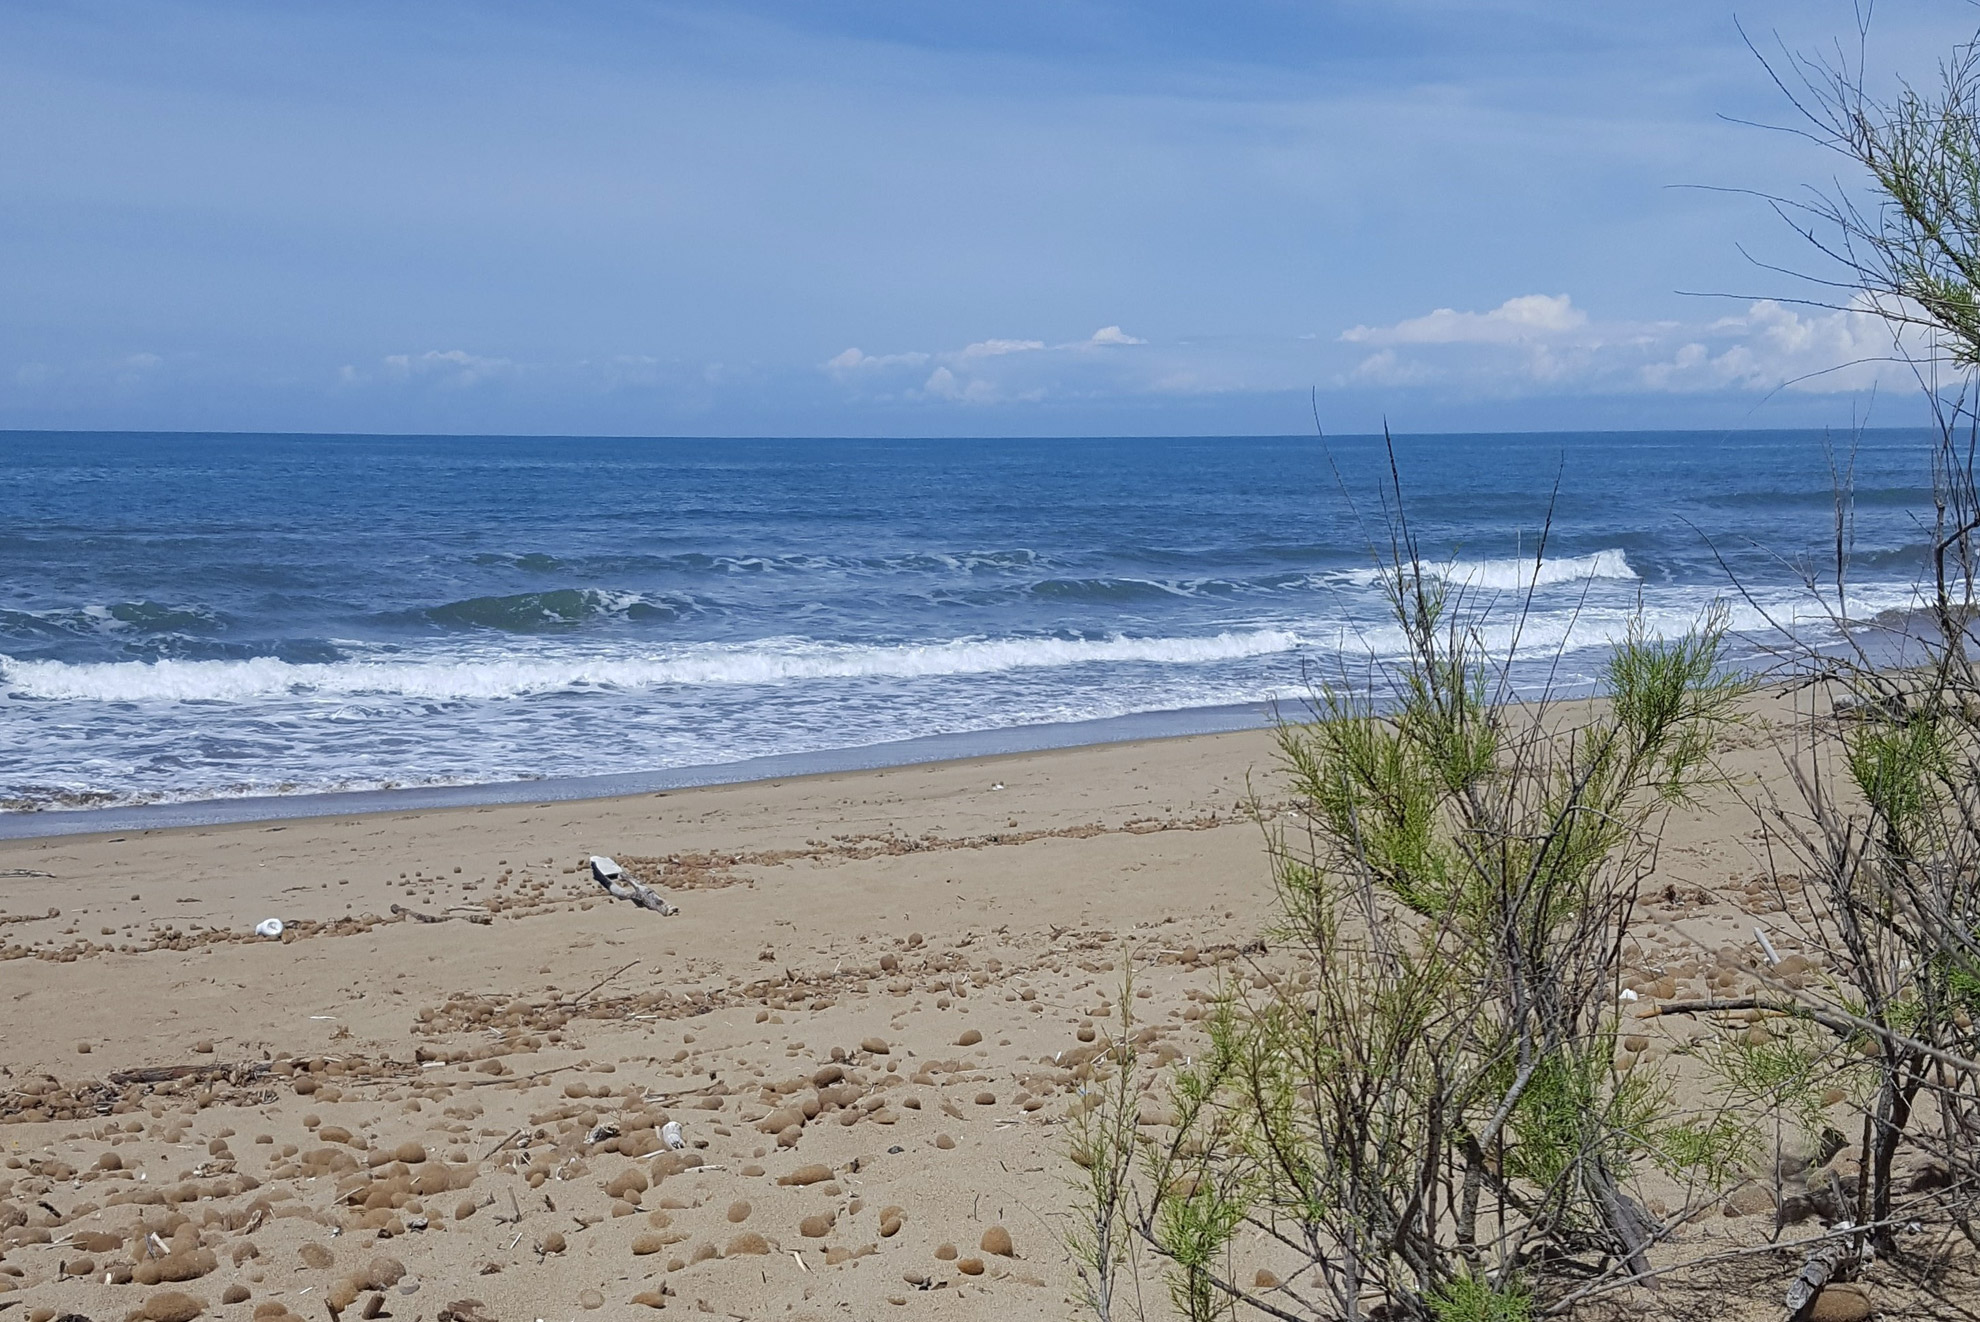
<point>503,1144</point>
<point>1605,1287</point>
<point>1838,1021</point>
<point>520,1078</point>
<point>601,982</point>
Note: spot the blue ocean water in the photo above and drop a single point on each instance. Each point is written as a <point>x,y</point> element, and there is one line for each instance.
<point>186,616</point>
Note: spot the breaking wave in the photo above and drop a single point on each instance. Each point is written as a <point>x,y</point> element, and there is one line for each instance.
<point>1519,573</point>
<point>770,661</point>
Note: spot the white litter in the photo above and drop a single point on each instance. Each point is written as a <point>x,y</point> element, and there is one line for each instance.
<point>268,927</point>
<point>670,1134</point>
<point>1627,995</point>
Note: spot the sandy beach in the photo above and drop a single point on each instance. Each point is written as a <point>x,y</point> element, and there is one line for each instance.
<point>449,1079</point>
<point>917,955</point>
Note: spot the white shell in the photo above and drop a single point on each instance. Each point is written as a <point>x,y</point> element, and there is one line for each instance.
<point>670,1134</point>
<point>268,927</point>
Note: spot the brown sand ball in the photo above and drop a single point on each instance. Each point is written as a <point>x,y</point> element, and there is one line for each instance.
<point>109,1161</point>
<point>382,1273</point>
<point>647,1242</point>
<point>1264,1280</point>
<point>82,1048</point>
<point>817,1226</point>
<point>410,1153</point>
<point>343,1294</point>
<point>234,1294</point>
<point>620,1207</point>
<point>79,1267</point>
<point>590,1299</point>
<point>944,1142</point>
<point>172,1306</point>
<point>970,1266</point>
<point>986,1099</point>
<point>739,1211</point>
<point>703,1252</point>
<point>658,1219</point>
<point>315,1255</point>
<point>628,1184</point>
<point>946,1252</point>
<point>650,1299</point>
<point>890,1227</point>
<point>748,1243</point>
<point>553,1242</point>
<point>876,1046</point>
<point>812,1174</point>
<point>997,1240</point>
<point>969,1038</point>
<point>464,1209</point>
<point>1841,1302</point>
<point>270,1308</point>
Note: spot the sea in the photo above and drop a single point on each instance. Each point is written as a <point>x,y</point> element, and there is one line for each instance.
<point>264,619</point>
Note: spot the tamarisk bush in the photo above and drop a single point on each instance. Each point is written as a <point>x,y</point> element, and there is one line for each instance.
<point>1426,1108</point>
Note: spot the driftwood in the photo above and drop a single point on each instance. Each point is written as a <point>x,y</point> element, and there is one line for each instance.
<point>399,910</point>
<point>169,1073</point>
<point>622,886</point>
<point>1823,1263</point>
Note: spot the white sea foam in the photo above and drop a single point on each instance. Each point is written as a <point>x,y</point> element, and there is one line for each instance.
<point>468,672</point>
<point>1517,573</point>
<point>770,661</point>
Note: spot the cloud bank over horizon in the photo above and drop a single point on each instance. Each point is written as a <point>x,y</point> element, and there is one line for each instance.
<point>767,218</point>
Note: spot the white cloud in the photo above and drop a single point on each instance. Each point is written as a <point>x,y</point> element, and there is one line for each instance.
<point>1515,321</point>
<point>998,370</point>
<point>454,368</point>
<point>852,360</point>
<point>1543,344</point>
<point>998,348</point>
<point>1770,346</point>
<point>1528,346</point>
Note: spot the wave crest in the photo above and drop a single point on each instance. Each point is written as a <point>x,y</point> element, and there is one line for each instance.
<point>1516,574</point>
<point>771,661</point>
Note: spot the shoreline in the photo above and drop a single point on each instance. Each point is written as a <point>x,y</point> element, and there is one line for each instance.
<point>967,746</point>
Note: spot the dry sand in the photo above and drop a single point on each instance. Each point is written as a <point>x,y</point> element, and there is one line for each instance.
<point>869,1019</point>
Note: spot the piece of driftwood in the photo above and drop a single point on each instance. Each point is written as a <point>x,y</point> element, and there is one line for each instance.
<point>622,886</point>
<point>483,918</point>
<point>169,1073</point>
<point>1821,1265</point>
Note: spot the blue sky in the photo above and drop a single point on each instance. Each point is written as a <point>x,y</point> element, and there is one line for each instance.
<point>818,218</point>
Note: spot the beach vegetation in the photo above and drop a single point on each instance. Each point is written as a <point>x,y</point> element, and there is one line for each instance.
<point>1878,840</point>
<point>1418,1107</point>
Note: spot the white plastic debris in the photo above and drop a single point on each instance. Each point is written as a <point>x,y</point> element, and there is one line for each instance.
<point>607,873</point>
<point>1627,996</point>
<point>268,927</point>
<point>670,1134</point>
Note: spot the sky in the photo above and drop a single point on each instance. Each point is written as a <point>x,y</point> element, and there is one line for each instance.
<point>850,217</point>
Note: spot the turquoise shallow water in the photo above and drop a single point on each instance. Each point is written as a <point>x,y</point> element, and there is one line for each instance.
<point>189,617</point>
